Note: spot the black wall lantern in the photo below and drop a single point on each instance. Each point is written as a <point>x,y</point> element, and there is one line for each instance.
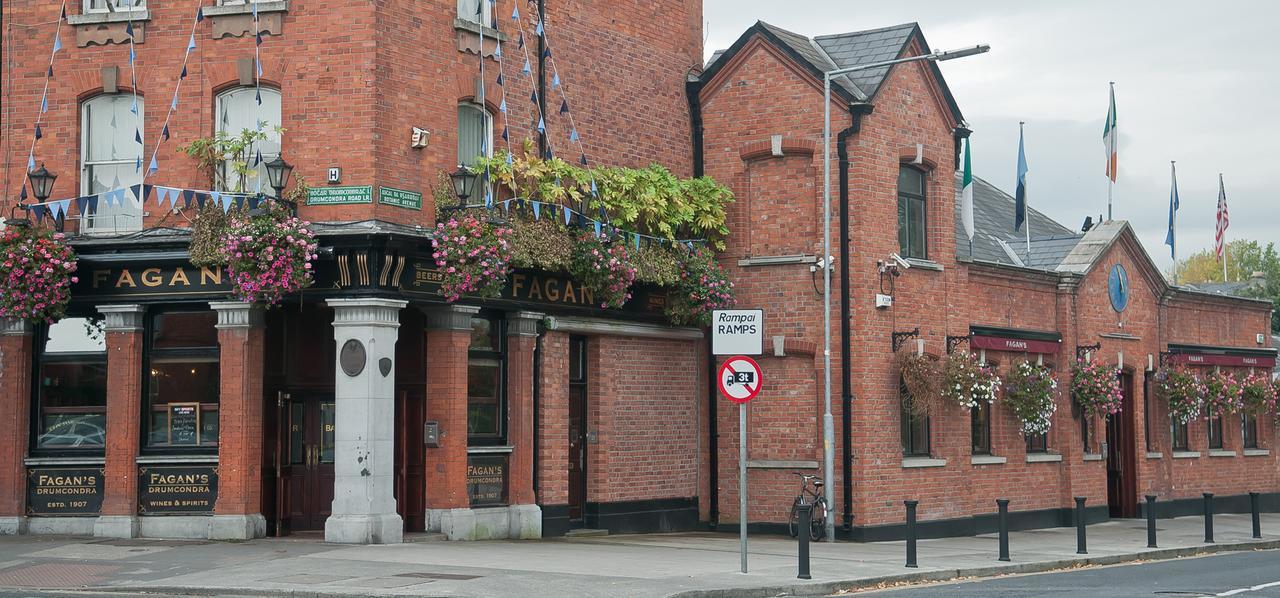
<point>278,172</point>
<point>463,182</point>
<point>41,182</point>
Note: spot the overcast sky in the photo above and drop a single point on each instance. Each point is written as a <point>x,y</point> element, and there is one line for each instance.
<point>1197,82</point>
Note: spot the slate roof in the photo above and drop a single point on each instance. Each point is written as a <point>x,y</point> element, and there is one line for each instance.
<point>810,52</point>
<point>863,47</point>
<point>993,223</point>
<point>1234,289</point>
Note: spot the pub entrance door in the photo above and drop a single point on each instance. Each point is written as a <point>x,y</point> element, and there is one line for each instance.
<point>1122,481</point>
<point>307,470</point>
<point>577,431</point>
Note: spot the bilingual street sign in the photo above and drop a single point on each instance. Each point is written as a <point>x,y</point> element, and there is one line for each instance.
<point>390,196</point>
<point>329,196</point>
<point>737,332</point>
<point>740,378</point>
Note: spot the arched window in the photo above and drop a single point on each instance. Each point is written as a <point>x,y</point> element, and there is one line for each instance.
<point>911,213</point>
<point>109,158</point>
<point>238,111</point>
<point>475,133</point>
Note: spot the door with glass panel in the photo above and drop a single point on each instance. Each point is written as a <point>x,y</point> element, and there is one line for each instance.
<point>308,471</point>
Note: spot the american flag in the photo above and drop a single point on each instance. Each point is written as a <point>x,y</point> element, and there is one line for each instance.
<point>1220,236</point>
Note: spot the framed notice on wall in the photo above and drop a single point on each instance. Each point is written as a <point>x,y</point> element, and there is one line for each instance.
<point>184,424</point>
<point>487,480</point>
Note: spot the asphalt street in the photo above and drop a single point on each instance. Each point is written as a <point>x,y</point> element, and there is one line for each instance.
<point>1244,574</point>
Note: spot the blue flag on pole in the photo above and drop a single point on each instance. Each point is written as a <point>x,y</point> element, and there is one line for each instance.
<point>1020,195</point>
<point>1171,238</point>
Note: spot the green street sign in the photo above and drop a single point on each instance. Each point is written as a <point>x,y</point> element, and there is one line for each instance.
<point>328,196</point>
<point>400,198</point>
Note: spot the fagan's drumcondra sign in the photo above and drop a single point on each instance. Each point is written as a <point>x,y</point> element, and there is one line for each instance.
<point>64,491</point>
<point>161,280</point>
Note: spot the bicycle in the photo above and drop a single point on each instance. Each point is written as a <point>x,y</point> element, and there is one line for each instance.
<point>818,519</point>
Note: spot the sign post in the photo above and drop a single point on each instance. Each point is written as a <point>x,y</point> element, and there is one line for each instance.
<point>740,379</point>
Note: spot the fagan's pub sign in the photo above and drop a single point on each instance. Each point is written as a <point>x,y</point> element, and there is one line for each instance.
<point>166,280</point>
<point>64,491</point>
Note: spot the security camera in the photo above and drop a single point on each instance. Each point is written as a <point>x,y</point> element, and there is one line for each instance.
<point>897,259</point>
<point>827,263</point>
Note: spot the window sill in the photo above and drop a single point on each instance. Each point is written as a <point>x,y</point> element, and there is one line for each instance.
<point>1256,452</point>
<point>1155,455</point>
<point>245,9</point>
<point>924,264</point>
<point>102,18</point>
<point>478,29</point>
<point>177,459</point>
<point>767,464</point>
<point>1044,458</point>
<point>1186,454</point>
<point>64,461</point>
<point>919,462</point>
<point>1222,453</point>
<point>481,450</point>
<point>1093,456</point>
<point>987,460</point>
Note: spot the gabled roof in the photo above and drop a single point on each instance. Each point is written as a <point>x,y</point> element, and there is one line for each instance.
<point>829,52</point>
<point>994,239</point>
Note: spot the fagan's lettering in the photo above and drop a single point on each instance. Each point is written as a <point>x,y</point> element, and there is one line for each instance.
<point>152,280</point>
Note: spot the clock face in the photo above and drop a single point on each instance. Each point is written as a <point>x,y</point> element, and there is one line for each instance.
<point>1118,287</point>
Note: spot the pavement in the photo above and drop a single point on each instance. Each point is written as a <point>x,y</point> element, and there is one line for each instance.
<point>687,565</point>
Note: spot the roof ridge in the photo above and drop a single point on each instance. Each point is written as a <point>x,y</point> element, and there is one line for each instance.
<point>867,31</point>
<point>862,95</point>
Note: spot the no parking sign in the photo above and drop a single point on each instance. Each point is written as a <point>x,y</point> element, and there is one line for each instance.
<point>740,378</point>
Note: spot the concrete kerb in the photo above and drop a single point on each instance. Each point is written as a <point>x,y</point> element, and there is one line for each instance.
<point>153,591</point>
<point>832,587</point>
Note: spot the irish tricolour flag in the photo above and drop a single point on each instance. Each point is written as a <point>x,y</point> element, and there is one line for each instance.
<point>1110,137</point>
<point>966,194</point>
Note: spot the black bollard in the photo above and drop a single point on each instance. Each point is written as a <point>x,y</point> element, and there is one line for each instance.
<point>1003,505</point>
<point>806,523</point>
<point>1257,514</point>
<point>1080,542</point>
<point>1208,518</point>
<point>911,531</point>
<point>1151,521</point>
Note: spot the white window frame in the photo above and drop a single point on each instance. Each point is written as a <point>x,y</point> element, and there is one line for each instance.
<point>119,6</point>
<point>217,122</point>
<point>243,2</point>
<point>114,224</point>
<point>488,130</point>
<point>467,12</point>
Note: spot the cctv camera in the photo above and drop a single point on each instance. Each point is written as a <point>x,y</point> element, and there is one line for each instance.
<point>827,263</point>
<point>897,259</point>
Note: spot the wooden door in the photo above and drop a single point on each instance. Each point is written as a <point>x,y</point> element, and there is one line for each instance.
<point>577,430</point>
<point>1122,481</point>
<point>410,487</point>
<point>308,473</point>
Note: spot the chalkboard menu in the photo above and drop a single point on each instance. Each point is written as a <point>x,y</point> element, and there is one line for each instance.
<point>64,491</point>
<point>487,480</point>
<point>184,424</point>
<point>174,489</point>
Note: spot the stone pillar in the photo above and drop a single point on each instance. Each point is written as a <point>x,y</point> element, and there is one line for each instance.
<point>448,339</point>
<point>15,419</point>
<point>525,516</point>
<point>238,513</point>
<point>124,332</point>
<point>364,504</point>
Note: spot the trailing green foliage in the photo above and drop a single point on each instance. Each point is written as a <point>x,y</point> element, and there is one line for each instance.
<point>224,158</point>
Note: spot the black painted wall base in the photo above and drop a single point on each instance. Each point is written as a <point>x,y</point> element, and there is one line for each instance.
<point>1269,502</point>
<point>643,516</point>
<point>555,520</point>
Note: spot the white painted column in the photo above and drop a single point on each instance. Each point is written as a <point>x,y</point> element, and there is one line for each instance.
<point>364,505</point>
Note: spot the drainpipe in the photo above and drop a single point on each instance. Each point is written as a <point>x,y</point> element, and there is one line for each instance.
<point>537,398</point>
<point>846,316</point>
<point>542,77</point>
<point>692,89</point>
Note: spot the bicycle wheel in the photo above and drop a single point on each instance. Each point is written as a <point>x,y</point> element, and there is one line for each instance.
<point>818,521</point>
<point>793,521</point>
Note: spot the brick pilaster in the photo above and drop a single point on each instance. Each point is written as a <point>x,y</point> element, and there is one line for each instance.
<point>124,332</point>
<point>448,338</point>
<point>553,420</point>
<point>240,341</point>
<point>522,334</point>
<point>15,408</point>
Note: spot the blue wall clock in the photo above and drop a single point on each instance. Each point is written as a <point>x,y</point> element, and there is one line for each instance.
<point>1118,287</point>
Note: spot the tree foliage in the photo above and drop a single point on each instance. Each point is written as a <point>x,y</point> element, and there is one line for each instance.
<point>1244,257</point>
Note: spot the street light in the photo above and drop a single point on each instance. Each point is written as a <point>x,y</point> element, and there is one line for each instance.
<point>278,172</point>
<point>463,182</point>
<point>41,182</point>
<point>828,423</point>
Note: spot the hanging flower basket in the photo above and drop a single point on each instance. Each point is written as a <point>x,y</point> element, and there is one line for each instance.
<point>921,381</point>
<point>268,256</point>
<point>1185,394</point>
<point>37,268</point>
<point>1259,394</point>
<point>703,287</point>
<point>1095,387</point>
<point>1224,393</point>
<point>967,382</point>
<point>603,267</point>
<point>1031,392</point>
<point>474,257</point>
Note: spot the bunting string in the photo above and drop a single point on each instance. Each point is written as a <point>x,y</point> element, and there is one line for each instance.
<point>257,90</point>
<point>138,130</point>
<point>44,96</point>
<point>154,167</point>
<point>86,204</point>
<point>527,71</point>
<point>502,105</point>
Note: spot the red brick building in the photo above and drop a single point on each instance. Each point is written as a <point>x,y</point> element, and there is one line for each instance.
<point>367,406</point>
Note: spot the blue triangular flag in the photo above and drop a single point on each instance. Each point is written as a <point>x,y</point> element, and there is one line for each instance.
<point>165,132</point>
<point>137,167</point>
<point>57,42</point>
<point>255,201</point>
<point>51,71</point>
<point>22,195</point>
<point>146,192</point>
<point>597,224</point>
<point>515,13</point>
<point>201,198</point>
<point>564,106</point>
<point>183,74</point>
<point>174,104</point>
<point>44,104</point>
<point>191,42</point>
<point>497,54</point>
<point>502,106</point>
<point>537,210</point>
<point>527,69</point>
<point>257,95</point>
<point>217,199</point>
<point>239,201</point>
<point>187,196</point>
<point>258,37</point>
<point>568,215</point>
<point>533,97</point>
<point>136,190</point>
<point>31,162</point>
<point>520,41</point>
<point>161,194</point>
<point>38,210</point>
<point>604,216</point>
<point>506,207</point>
<point>499,74</point>
<point>509,159</point>
<point>110,198</point>
<point>153,167</point>
<point>258,62</point>
<point>255,11</point>
<point>593,187</point>
<point>488,198</point>
<point>137,135</point>
<point>134,107</point>
<point>53,209</point>
<point>573,135</point>
<point>538,28</point>
<point>542,125</point>
<point>257,158</point>
<point>505,136</point>
<point>64,206</point>
<point>173,198</point>
<point>546,52</point>
<point>555,80</point>
<point>583,159</point>
<point>690,244</point>
<point>199,14</point>
<point>39,134</point>
<point>64,12</point>
<point>128,28</point>
<point>637,242</point>
<point>132,55</point>
<point>82,204</point>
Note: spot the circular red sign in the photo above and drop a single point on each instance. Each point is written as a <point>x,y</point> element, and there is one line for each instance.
<point>740,378</point>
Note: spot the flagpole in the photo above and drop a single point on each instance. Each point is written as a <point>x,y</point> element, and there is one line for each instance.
<point>1225,253</point>
<point>1026,203</point>
<point>1173,222</point>
<point>1115,143</point>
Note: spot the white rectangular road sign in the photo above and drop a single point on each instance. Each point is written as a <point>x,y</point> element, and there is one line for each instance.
<point>737,332</point>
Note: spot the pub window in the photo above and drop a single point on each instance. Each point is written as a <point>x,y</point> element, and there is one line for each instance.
<point>915,428</point>
<point>238,110</point>
<point>475,130</point>
<point>109,158</point>
<point>486,382</point>
<point>911,213</point>
<point>1214,429</point>
<point>1249,430</point>
<point>182,383</point>
<point>114,5</point>
<point>1038,443</point>
<point>1178,432</point>
<point>980,424</point>
<point>1085,431</point>
<point>476,11</point>
<point>71,408</point>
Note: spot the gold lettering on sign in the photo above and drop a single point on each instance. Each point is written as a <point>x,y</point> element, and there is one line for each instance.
<point>553,289</point>
<point>151,277</point>
<point>210,274</point>
<point>179,275</point>
<point>535,290</point>
<point>125,279</point>
<point>569,296</point>
<point>517,283</point>
<point>100,277</point>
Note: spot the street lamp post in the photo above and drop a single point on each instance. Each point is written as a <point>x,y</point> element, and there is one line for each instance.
<point>278,172</point>
<point>828,423</point>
